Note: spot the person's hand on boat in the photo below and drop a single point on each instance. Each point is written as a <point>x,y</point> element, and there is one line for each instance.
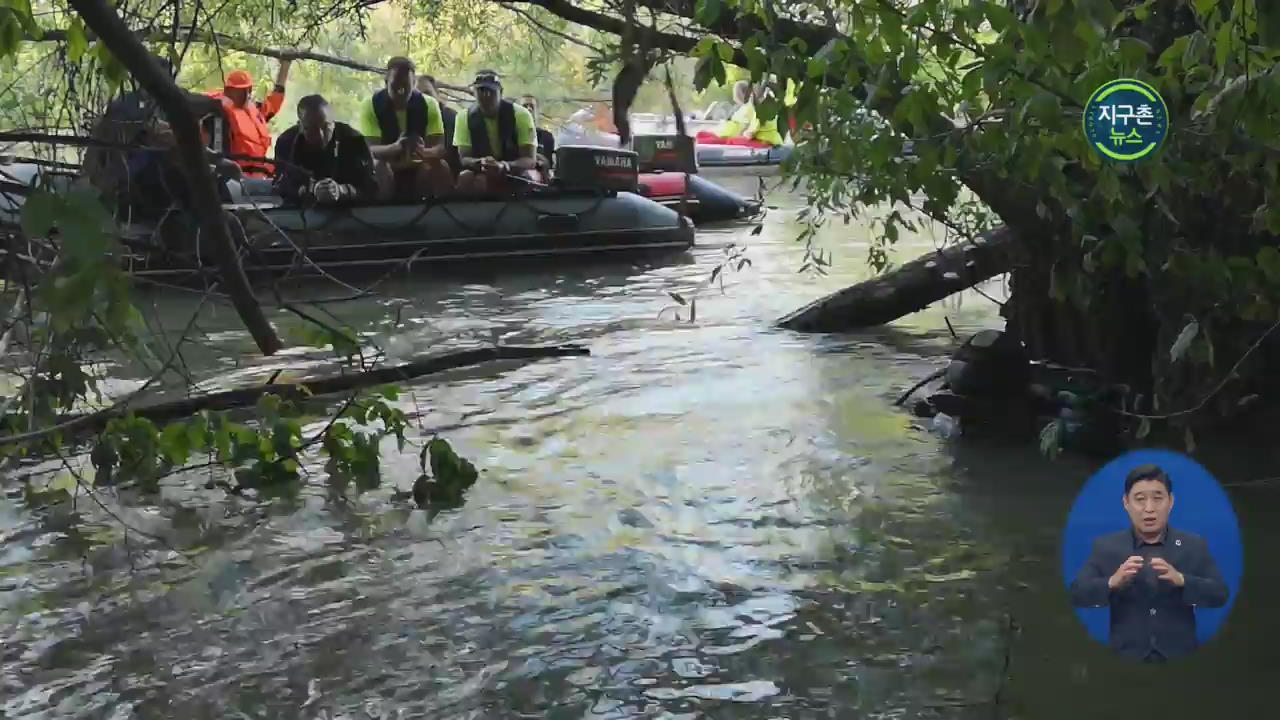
<point>227,169</point>
<point>491,166</point>
<point>329,190</point>
<point>160,135</point>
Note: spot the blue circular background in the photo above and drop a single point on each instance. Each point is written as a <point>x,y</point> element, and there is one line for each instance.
<point>1200,506</point>
<point>1098,132</point>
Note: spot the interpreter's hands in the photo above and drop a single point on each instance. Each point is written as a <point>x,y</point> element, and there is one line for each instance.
<point>1167,572</point>
<point>1124,574</point>
<point>327,191</point>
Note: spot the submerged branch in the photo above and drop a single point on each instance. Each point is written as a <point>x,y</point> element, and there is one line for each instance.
<point>328,385</point>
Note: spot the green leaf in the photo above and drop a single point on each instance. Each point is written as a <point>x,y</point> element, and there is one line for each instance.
<point>725,51</point>
<point>816,68</point>
<point>39,212</point>
<point>1204,7</point>
<point>175,443</point>
<point>77,43</point>
<point>1133,51</point>
<point>1183,341</point>
<point>1224,44</point>
<point>704,47</point>
<point>10,33</point>
<point>1174,55</point>
<point>1269,263</point>
<point>706,12</point>
<point>1268,23</point>
<point>999,16</point>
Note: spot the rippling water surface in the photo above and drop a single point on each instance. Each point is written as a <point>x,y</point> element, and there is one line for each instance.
<point>703,518</point>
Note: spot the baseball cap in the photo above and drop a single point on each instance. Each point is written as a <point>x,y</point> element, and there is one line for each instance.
<point>487,78</point>
<point>239,79</point>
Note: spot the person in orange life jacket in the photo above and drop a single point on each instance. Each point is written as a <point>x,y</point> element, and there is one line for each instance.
<point>406,137</point>
<point>448,116</point>
<point>546,141</point>
<point>146,180</point>
<point>245,132</point>
<point>497,141</point>
<point>321,160</point>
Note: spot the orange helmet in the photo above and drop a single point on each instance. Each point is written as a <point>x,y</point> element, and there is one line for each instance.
<point>239,79</point>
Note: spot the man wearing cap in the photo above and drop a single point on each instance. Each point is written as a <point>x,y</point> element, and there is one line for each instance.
<point>406,137</point>
<point>245,132</point>
<point>496,142</point>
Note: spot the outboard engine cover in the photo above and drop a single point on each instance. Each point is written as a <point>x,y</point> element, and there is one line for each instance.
<point>587,167</point>
<point>669,153</point>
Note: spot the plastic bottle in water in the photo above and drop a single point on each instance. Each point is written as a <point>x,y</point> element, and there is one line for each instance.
<point>945,426</point>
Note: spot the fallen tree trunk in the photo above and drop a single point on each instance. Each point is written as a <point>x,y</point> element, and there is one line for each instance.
<point>161,413</point>
<point>908,289</point>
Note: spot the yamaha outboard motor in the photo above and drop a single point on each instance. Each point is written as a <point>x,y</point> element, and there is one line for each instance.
<point>582,167</point>
<point>666,153</point>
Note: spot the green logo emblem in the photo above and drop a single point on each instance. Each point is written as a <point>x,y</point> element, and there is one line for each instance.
<point>1126,120</point>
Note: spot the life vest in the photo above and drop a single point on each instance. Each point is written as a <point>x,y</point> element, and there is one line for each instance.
<point>246,133</point>
<point>510,150</point>
<point>415,116</point>
<point>743,116</point>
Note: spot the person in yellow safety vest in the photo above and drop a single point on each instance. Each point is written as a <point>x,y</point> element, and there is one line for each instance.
<point>744,128</point>
<point>743,113</point>
<point>245,132</point>
<point>763,131</point>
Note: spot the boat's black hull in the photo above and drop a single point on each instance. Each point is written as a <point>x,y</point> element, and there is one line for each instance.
<point>380,239</point>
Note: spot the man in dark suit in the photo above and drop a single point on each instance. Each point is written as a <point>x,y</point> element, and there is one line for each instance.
<point>1150,575</point>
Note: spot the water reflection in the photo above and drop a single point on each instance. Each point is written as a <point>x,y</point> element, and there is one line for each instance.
<point>706,519</point>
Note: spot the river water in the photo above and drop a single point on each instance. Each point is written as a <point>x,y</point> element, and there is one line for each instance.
<point>706,517</point>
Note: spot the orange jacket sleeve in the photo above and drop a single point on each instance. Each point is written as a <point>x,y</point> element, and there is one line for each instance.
<point>272,105</point>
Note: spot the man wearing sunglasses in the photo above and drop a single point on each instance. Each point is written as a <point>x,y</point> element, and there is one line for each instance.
<point>496,142</point>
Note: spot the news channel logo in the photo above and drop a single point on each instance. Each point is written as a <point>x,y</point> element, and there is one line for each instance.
<point>1126,120</point>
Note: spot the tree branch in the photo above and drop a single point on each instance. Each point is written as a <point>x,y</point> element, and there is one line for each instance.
<point>161,413</point>
<point>124,44</point>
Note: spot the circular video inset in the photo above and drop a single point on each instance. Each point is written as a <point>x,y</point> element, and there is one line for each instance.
<point>1151,555</point>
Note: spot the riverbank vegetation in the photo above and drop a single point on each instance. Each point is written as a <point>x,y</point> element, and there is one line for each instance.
<point>1161,277</point>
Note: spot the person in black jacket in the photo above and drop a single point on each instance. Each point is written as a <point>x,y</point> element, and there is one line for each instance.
<point>322,161</point>
<point>546,141</point>
<point>405,132</point>
<point>1150,575</point>
<point>496,142</point>
<point>427,86</point>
